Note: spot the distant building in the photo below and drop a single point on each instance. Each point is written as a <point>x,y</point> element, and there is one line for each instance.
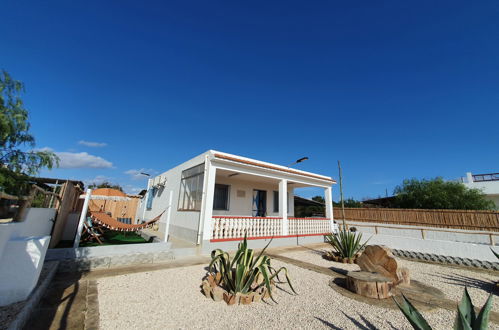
<point>488,183</point>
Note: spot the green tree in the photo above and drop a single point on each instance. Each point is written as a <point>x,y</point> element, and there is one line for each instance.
<point>18,160</point>
<point>439,194</point>
<point>349,202</point>
<point>319,199</point>
<point>105,184</point>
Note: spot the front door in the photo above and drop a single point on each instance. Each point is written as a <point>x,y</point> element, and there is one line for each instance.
<point>259,203</point>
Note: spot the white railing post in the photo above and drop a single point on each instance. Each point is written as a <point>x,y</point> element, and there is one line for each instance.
<point>83,216</point>
<point>283,206</point>
<point>328,197</point>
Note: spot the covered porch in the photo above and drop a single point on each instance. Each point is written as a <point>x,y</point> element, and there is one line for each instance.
<point>257,201</point>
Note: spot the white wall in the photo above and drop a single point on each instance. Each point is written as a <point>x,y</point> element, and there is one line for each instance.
<point>37,222</point>
<point>24,257</point>
<point>22,251</point>
<point>438,247</point>
<point>243,206</point>
<point>183,224</point>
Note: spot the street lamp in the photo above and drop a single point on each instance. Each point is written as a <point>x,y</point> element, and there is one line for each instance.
<point>145,174</point>
<point>298,161</point>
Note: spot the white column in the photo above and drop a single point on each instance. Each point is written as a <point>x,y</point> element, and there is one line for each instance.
<point>207,205</point>
<point>83,216</point>
<point>328,197</point>
<point>283,205</point>
<point>168,216</point>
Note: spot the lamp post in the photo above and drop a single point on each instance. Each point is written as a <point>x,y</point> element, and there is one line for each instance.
<point>298,161</point>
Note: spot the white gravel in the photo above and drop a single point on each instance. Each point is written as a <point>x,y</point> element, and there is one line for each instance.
<point>171,298</point>
<point>450,280</point>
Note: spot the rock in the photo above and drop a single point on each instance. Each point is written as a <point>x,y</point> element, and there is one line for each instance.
<point>217,293</point>
<point>230,299</point>
<point>211,280</point>
<point>255,296</point>
<point>206,288</point>
<point>246,299</point>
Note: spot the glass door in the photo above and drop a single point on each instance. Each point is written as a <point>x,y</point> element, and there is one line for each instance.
<point>259,203</point>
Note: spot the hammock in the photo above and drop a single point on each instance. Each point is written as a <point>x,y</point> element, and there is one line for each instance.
<point>106,221</point>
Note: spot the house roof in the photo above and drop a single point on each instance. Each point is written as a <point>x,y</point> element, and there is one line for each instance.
<point>305,201</point>
<point>248,161</point>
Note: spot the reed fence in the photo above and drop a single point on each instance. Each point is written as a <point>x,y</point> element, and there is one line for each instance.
<point>456,219</point>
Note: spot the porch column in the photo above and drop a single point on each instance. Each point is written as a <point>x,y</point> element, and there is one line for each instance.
<point>328,197</point>
<point>207,203</point>
<point>283,206</point>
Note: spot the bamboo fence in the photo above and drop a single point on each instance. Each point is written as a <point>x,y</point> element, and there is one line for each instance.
<point>456,219</point>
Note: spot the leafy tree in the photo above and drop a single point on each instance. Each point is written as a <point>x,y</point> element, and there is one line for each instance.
<point>105,184</point>
<point>319,199</point>
<point>18,160</point>
<point>349,202</point>
<point>439,194</point>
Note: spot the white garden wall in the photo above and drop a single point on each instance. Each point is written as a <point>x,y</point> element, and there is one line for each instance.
<point>22,251</point>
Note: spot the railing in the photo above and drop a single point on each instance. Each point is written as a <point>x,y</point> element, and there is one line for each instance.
<point>309,226</point>
<point>486,177</point>
<point>228,228</point>
<point>235,227</point>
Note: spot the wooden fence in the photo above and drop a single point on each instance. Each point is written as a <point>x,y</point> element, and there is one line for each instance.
<point>457,219</point>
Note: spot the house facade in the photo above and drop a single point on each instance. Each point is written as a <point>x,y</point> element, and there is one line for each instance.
<point>217,197</point>
<point>488,183</point>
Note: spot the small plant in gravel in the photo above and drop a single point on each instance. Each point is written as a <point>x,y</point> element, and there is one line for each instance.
<point>495,253</point>
<point>465,318</point>
<point>245,277</point>
<point>346,244</point>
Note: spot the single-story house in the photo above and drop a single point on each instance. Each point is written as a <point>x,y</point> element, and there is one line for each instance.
<point>217,197</point>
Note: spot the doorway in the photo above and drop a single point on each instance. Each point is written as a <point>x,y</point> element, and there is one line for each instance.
<point>259,203</point>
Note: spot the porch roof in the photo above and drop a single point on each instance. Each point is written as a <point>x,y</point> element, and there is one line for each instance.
<point>270,166</point>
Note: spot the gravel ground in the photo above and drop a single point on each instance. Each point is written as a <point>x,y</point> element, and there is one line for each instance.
<point>448,279</point>
<point>171,298</point>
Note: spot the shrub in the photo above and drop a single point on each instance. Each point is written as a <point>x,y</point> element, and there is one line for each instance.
<point>245,273</point>
<point>346,243</point>
<point>465,318</point>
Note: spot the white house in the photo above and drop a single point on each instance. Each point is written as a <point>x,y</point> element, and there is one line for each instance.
<point>218,197</point>
<point>488,183</point>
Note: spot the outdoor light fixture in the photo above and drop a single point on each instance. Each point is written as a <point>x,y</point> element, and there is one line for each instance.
<point>145,174</point>
<point>298,161</point>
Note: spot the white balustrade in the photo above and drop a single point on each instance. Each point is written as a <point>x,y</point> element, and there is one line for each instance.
<point>230,227</point>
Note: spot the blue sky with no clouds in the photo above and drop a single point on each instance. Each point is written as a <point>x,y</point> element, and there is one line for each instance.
<point>394,89</point>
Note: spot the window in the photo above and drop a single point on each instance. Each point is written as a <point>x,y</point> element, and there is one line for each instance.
<point>276,201</point>
<point>150,197</point>
<point>191,189</point>
<point>221,197</point>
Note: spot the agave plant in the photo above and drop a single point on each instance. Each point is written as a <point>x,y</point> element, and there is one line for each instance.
<point>495,253</point>
<point>346,243</point>
<point>245,272</point>
<point>465,318</point>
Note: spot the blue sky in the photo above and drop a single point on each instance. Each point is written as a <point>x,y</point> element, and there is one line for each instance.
<point>393,89</point>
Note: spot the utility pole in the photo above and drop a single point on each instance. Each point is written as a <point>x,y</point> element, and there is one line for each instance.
<point>341,196</point>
